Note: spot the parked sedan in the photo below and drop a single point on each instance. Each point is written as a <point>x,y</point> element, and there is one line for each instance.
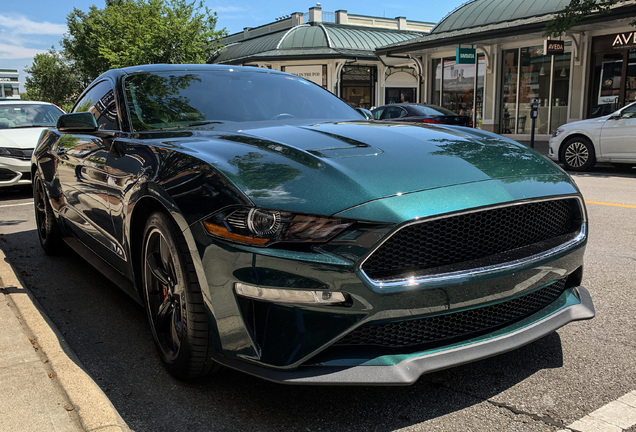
<point>21,123</point>
<point>268,227</point>
<point>579,145</point>
<point>420,113</point>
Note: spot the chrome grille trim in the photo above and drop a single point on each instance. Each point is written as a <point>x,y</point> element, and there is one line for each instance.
<point>437,278</point>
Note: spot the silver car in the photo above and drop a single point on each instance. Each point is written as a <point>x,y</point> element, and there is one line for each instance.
<point>579,145</point>
<point>21,123</point>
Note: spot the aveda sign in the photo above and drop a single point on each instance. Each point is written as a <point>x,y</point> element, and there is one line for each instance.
<point>624,39</point>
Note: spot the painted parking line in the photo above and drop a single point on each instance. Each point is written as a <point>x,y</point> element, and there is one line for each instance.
<point>610,204</point>
<point>16,205</point>
<point>616,416</point>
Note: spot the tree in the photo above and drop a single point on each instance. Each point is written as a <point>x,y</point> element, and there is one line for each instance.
<point>52,79</point>
<point>132,32</point>
<point>574,12</point>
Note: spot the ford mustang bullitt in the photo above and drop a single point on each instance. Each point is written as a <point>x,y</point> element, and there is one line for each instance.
<point>268,227</point>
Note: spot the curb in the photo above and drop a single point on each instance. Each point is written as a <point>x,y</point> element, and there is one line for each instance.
<point>88,402</point>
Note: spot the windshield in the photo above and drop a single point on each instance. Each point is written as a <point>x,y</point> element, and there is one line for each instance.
<point>191,98</point>
<point>14,116</point>
<point>433,110</point>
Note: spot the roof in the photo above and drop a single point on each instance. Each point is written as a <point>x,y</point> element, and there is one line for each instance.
<point>477,13</point>
<point>315,40</point>
<point>480,20</point>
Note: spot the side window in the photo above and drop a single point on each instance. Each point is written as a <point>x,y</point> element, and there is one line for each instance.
<point>629,112</point>
<point>393,112</point>
<point>100,101</point>
<point>377,114</point>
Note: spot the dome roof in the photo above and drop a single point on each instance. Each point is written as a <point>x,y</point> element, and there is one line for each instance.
<point>325,39</point>
<point>478,13</point>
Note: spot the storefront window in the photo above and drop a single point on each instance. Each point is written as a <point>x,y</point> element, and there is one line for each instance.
<point>528,75</point>
<point>8,90</point>
<point>456,88</point>
<point>630,82</point>
<point>613,75</point>
<point>509,91</point>
<point>358,85</point>
<point>399,95</point>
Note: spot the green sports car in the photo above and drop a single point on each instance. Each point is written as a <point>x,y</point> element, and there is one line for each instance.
<point>268,227</point>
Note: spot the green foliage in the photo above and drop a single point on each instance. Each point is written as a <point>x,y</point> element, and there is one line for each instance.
<point>52,79</point>
<point>573,13</point>
<point>132,32</point>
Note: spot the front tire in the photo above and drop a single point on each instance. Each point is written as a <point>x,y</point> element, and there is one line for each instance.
<point>577,154</point>
<point>174,303</point>
<point>49,232</point>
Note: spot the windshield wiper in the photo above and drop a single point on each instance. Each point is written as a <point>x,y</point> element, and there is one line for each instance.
<point>203,123</point>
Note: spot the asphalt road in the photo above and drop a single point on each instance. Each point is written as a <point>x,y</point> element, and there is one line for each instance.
<point>544,386</point>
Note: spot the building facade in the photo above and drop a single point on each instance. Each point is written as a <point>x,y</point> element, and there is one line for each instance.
<point>593,74</point>
<point>336,51</point>
<point>9,84</point>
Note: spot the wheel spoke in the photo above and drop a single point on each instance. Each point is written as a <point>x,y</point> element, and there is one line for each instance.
<point>165,311</point>
<point>155,264</point>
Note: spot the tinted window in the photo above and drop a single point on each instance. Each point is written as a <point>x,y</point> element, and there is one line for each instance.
<point>100,101</point>
<point>377,113</point>
<point>14,116</point>
<point>629,112</point>
<point>174,99</point>
<point>393,112</point>
<point>432,110</point>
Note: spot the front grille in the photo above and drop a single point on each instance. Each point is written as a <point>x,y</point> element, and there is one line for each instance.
<point>452,327</point>
<point>479,238</point>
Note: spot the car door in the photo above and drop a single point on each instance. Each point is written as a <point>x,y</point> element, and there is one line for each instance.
<point>617,135</point>
<point>83,175</point>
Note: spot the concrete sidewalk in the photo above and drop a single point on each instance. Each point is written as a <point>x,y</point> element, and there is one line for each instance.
<point>43,385</point>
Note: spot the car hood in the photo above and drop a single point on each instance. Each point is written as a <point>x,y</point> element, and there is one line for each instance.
<point>23,138</point>
<point>331,167</point>
<point>587,123</point>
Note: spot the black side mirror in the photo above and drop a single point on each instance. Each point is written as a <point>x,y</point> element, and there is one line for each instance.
<point>81,122</point>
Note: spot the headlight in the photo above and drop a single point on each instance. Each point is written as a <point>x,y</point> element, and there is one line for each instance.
<point>4,152</point>
<point>262,227</point>
<point>558,132</point>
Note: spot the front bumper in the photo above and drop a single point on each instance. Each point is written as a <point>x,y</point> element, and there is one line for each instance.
<point>14,172</point>
<point>574,304</point>
<point>553,148</point>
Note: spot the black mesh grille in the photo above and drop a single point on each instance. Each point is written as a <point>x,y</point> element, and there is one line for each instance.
<point>474,236</point>
<point>455,326</point>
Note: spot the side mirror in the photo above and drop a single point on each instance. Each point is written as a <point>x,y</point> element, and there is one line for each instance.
<point>81,122</point>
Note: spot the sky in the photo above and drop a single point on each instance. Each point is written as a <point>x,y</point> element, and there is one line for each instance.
<point>29,27</point>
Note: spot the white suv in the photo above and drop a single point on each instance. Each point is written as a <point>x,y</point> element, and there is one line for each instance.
<point>611,138</point>
<point>21,123</point>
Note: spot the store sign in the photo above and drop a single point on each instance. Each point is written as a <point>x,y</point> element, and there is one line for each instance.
<point>310,73</point>
<point>614,42</point>
<point>553,47</point>
<point>624,40</point>
<point>465,56</point>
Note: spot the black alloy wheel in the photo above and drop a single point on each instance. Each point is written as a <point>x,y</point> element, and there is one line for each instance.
<point>174,303</point>
<point>577,154</point>
<point>48,231</point>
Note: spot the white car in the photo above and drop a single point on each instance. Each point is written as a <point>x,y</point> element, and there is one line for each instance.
<point>611,138</point>
<point>21,123</point>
